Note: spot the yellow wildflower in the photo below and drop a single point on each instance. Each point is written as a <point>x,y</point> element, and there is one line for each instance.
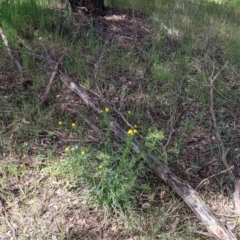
<point>82,152</point>
<point>130,132</point>
<point>135,126</point>
<point>100,166</point>
<point>66,149</point>
<point>60,123</point>
<point>73,125</point>
<point>106,109</point>
<point>129,112</point>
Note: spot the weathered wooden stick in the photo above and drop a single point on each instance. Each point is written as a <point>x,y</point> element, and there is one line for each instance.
<point>79,91</point>
<point>197,205</point>
<point>44,97</point>
<point>183,189</point>
<point>236,196</point>
<point>9,51</point>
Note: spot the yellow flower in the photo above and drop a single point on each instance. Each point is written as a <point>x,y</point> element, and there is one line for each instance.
<point>60,123</point>
<point>130,132</point>
<point>129,112</point>
<point>135,126</point>
<point>106,109</point>
<point>82,152</point>
<point>73,125</point>
<point>100,166</point>
<point>66,149</point>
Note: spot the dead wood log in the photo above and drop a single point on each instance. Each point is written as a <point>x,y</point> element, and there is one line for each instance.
<point>196,204</point>
<point>183,189</point>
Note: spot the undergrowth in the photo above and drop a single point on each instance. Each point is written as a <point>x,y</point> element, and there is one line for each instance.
<point>150,70</point>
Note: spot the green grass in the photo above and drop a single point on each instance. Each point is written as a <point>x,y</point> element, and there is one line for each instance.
<point>161,78</point>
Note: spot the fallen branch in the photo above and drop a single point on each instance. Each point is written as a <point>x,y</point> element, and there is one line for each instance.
<point>197,205</point>
<point>80,92</point>
<point>183,189</point>
<point>214,175</point>
<point>44,97</point>
<point>9,51</point>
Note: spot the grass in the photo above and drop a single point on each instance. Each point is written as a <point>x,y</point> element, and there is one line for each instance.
<point>152,66</point>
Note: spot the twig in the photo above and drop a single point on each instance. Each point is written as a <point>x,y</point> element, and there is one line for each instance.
<point>37,56</point>
<point>123,118</point>
<point>49,61</point>
<point>9,51</point>
<point>44,97</point>
<point>173,122</point>
<point>45,51</point>
<point>80,92</point>
<point>204,180</point>
<point>172,131</point>
<point>115,109</point>
<point>222,147</point>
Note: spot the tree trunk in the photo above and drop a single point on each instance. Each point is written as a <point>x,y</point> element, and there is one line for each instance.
<point>94,6</point>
